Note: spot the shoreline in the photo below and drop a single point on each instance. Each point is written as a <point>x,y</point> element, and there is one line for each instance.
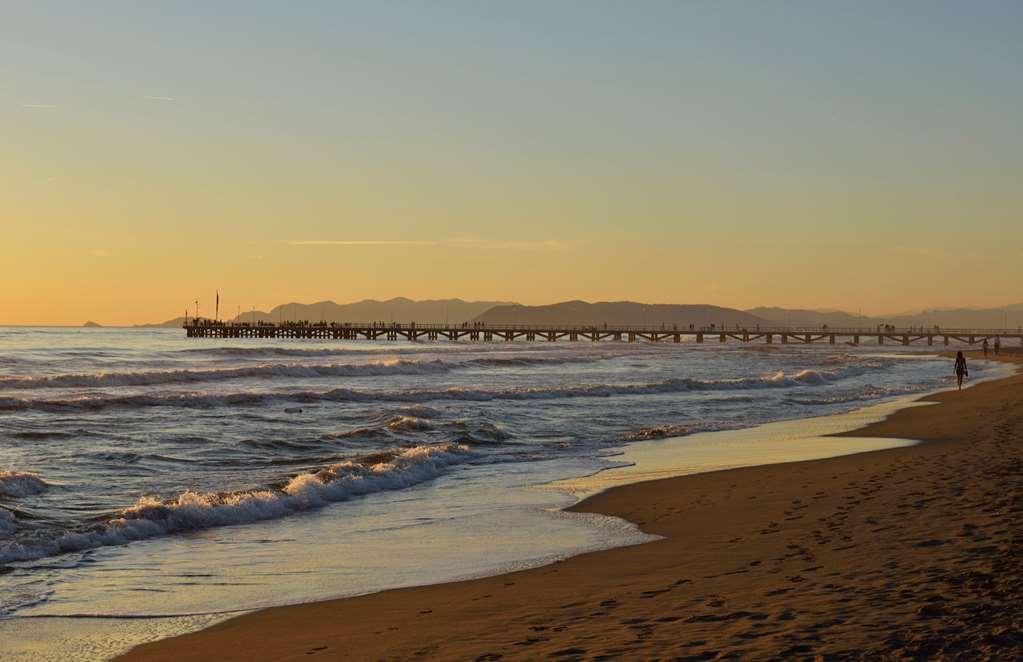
<point>729,525</point>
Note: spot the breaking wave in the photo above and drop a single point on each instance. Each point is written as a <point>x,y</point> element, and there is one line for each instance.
<point>191,511</point>
<point>266,371</point>
<point>156,377</point>
<point>273,351</point>
<point>247,398</point>
<point>525,361</point>
<point>409,424</point>
<point>21,484</point>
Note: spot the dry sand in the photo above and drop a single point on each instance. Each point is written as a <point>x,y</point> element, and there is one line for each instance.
<point>904,553</point>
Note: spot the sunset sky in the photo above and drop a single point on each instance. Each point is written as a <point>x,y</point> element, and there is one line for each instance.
<point>854,155</point>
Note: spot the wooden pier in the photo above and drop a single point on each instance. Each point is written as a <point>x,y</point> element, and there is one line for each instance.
<point>631,333</point>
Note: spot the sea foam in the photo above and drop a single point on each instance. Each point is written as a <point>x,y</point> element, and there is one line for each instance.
<point>151,517</point>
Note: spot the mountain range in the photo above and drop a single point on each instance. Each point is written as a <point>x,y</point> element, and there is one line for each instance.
<point>398,309</point>
<point>457,311</point>
<point>619,313</point>
<point>965,318</point>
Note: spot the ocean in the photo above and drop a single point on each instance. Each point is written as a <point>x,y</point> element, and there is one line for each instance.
<point>150,483</point>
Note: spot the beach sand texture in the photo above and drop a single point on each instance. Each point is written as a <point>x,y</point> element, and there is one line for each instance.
<point>912,552</point>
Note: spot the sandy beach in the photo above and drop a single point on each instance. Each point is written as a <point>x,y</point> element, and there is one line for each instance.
<point>911,552</point>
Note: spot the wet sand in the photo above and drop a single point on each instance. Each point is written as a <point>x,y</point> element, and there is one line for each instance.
<point>908,552</point>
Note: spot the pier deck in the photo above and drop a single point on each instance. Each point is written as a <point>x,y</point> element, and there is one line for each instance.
<point>596,333</point>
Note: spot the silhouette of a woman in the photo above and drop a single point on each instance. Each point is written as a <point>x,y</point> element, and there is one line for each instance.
<point>960,369</point>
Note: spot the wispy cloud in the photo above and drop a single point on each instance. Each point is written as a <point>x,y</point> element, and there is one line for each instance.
<point>457,242</point>
<point>152,98</point>
<point>358,242</point>
<point>38,105</point>
<point>514,245</point>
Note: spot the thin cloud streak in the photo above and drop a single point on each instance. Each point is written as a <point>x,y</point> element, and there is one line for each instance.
<point>38,105</point>
<point>541,245</point>
<point>458,242</point>
<point>358,242</point>
<point>159,98</point>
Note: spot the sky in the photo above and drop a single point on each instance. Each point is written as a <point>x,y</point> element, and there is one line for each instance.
<point>864,156</point>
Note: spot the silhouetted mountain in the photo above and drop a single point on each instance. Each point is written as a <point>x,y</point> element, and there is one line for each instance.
<point>92,325</point>
<point>973,318</point>
<point>457,311</point>
<point>800,317</point>
<point>619,313</point>
<point>964,318</point>
<point>175,323</point>
<point>370,310</point>
<point>399,309</point>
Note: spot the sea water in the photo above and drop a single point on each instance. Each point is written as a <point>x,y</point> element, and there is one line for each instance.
<point>151,484</point>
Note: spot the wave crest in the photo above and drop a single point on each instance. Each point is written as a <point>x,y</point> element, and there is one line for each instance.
<point>21,484</point>
<point>150,517</point>
<point>409,424</point>
<point>157,377</point>
<point>248,398</point>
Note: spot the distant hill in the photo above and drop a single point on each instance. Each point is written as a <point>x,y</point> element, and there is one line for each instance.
<point>92,325</point>
<point>175,323</point>
<point>368,310</point>
<point>987,318</point>
<point>801,317</point>
<point>619,313</point>
<point>973,318</point>
<point>457,311</point>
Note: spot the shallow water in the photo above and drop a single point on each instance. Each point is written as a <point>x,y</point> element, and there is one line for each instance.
<point>144,474</point>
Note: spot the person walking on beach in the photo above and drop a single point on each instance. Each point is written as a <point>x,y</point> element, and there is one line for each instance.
<point>985,348</point>
<point>960,369</point>
<point>998,344</point>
